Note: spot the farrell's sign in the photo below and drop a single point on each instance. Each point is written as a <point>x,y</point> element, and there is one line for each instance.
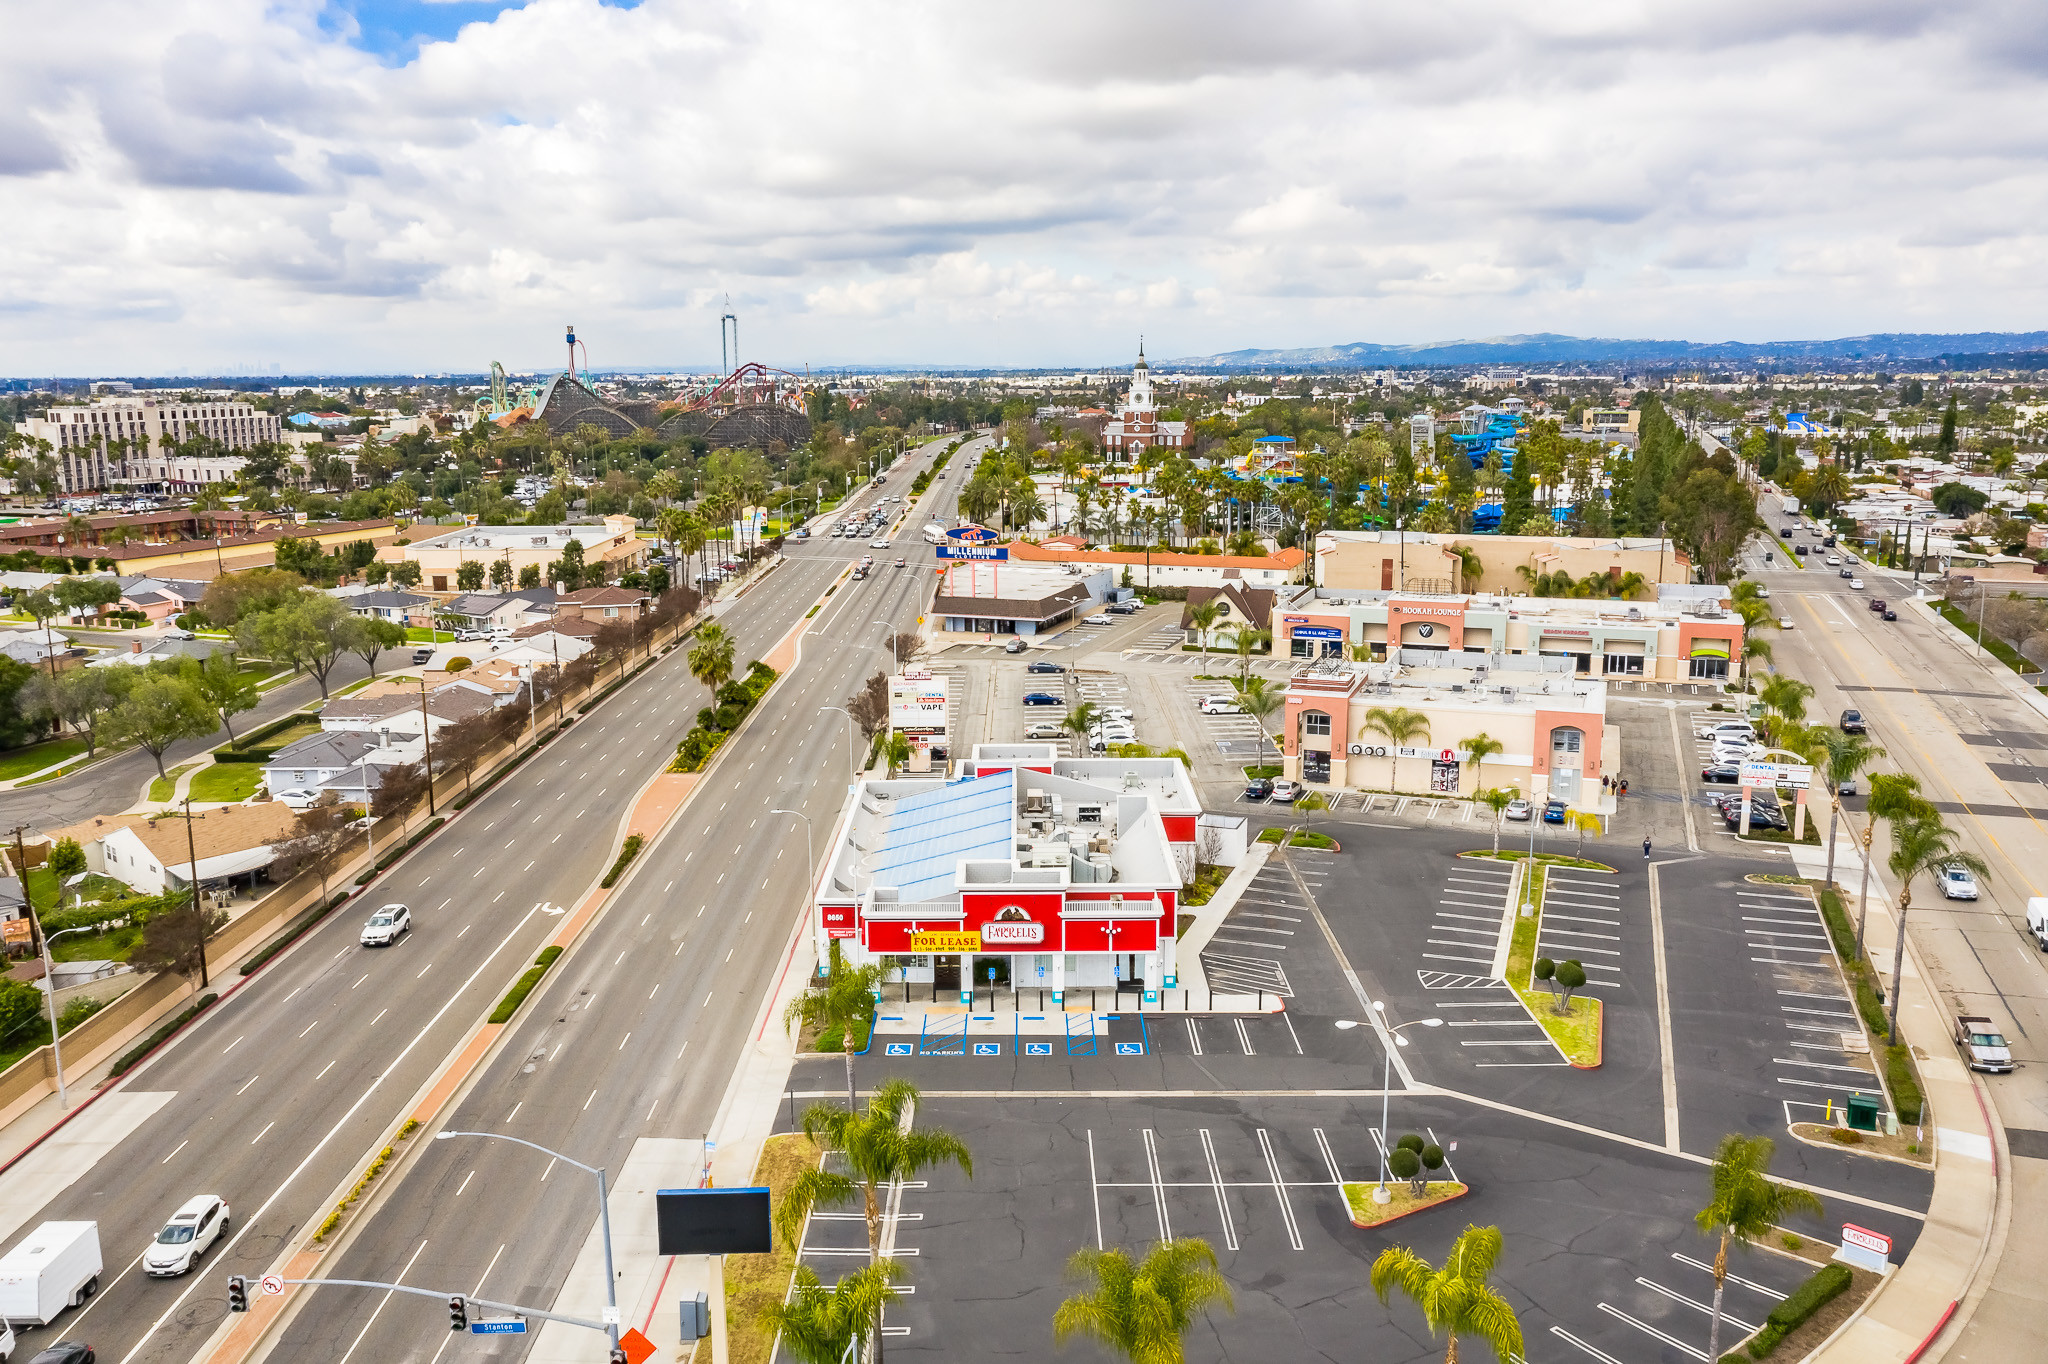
<point>1012,933</point>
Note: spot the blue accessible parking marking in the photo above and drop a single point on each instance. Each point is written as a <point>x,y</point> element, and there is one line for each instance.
<point>899,1048</point>
<point>1038,1048</point>
<point>988,1049</point>
<point>1130,1049</point>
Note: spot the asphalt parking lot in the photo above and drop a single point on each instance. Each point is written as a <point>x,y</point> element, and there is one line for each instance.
<point>1602,1261</point>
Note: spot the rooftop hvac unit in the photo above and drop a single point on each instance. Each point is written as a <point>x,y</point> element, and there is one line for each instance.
<point>1103,871</point>
<point>1088,814</point>
<point>1457,686</point>
<point>1035,801</point>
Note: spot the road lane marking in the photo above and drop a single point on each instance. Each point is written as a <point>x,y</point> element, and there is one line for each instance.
<point>259,1136</point>
<point>465,1183</point>
<point>232,1045</point>
<point>238,1093</point>
<point>174,1150</point>
<point>381,1305</point>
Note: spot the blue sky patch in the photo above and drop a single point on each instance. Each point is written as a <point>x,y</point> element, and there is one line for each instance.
<point>394,29</point>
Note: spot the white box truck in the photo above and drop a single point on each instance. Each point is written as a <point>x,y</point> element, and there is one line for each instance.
<point>2037,920</point>
<point>56,1266</point>
<point>1790,505</point>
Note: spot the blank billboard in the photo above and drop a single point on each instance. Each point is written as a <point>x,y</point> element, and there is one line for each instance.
<point>713,1221</point>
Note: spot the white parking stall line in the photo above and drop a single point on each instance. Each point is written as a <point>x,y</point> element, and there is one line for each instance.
<point>1158,1186</point>
<point>1194,1037</point>
<point>1773,1294</point>
<point>1568,1338</point>
<point>1673,1341</point>
<point>1222,1202</point>
<point>1279,1189</point>
<point>1704,1308</point>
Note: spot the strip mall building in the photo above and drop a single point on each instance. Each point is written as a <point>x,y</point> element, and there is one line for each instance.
<point>1698,642</point>
<point>1025,869</point>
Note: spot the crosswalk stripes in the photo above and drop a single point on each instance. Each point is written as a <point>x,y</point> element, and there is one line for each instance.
<point>1582,922</point>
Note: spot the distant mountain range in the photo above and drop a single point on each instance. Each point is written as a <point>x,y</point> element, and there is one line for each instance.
<point>1551,348</point>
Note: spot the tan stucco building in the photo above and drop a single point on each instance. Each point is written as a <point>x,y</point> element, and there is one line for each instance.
<point>439,556</point>
<point>1416,561</point>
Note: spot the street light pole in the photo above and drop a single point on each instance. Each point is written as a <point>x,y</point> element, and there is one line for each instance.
<point>604,1217</point>
<point>850,727</point>
<point>50,992</point>
<point>895,655</point>
<point>1380,1195</point>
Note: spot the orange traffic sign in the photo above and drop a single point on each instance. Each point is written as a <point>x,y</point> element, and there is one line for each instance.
<point>636,1346</point>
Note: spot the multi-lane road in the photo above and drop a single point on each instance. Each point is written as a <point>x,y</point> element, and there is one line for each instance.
<point>282,1091</point>
<point>1957,721</point>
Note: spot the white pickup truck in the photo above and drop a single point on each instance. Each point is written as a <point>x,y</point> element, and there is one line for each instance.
<point>1983,1046</point>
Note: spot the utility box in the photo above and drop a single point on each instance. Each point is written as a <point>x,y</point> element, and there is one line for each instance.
<point>1863,1112</point>
<point>696,1317</point>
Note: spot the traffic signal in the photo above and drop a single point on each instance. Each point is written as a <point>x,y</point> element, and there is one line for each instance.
<point>458,1313</point>
<point>238,1293</point>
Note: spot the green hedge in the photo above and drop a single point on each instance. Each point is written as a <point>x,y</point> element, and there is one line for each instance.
<point>247,755</point>
<point>392,856</point>
<point>278,726</point>
<point>626,854</point>
<point>1826,1284</point>
<point>162,1034</point>
<point>733,702</point>
<point>523,987</point>
<point>1907,1097</point>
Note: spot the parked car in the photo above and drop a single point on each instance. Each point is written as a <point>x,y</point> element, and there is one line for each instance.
<point>1126,608</point>
<point>1042,698</point>
<point>1828,541</point>
<point>1286,792</point>
<point>1045,729</point>
<point>1730,751</point>
<point>1725,773</point>
<point>1041,666</point>
<point>1095,620</point>
<point>420,656</point>
<point>1519,810</point>
<point>1852,722</point>
<point>1259,788</point>
<point>1957,883</point>
<point>1553,811</point>
<point>65,1352</point>
<point>1764,812</point>
<point>1219,705</point>
<point>192,1231</point>
<point>387,925</point>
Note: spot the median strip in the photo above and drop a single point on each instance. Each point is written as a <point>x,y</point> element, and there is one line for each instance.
<point>523,987</point>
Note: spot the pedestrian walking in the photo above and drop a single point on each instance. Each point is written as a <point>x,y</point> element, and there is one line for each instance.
<point>1646,847</point>
<point>1603,783</point>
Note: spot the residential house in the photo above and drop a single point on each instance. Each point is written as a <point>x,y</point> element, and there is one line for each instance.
<point>400,608</point>
<point>141,653</point>
<point>604,604</point>
<point>1236,606</point>
<point>154,856</point>
<point>348,762</point>
<point>396,711</point>
<point>616,544</point>
<point>473,611</point>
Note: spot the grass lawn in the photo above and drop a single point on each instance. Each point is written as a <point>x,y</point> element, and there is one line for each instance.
<point>22,761</point>
<point>1256,772</point>
<point>113,945</point>
<point>1305,838</point>
<point>1577,1033</point>
<point>1358,1197</point>
<point>227,782</point>
<point>416,635</point>
<point>303,730</point>
<point>160,787</point>
<point>1542,859</point>
<point>752,1280</point>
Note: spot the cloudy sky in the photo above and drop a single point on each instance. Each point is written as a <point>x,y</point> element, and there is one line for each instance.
<point>195,185</point>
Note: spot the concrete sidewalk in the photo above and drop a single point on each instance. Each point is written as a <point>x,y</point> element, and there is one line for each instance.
<point>1912,1306</point>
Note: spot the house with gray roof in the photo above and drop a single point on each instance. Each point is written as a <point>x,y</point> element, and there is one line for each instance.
<point>397,607</point>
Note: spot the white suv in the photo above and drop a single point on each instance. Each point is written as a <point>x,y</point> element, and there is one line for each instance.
<point>1220,705</point>
<point>386,925</point>
<point>189,1234</point>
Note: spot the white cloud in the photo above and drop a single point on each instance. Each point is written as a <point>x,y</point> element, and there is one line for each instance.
<point>890,182</point>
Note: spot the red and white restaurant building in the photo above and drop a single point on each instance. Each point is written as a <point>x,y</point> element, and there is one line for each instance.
<point>1023,869</point>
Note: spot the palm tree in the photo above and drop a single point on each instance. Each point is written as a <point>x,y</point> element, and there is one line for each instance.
<point>1747,1206</point>
<point>711,656</point>
<point>820,1325</point>
<point>1259,700</point>
<point>1141,1311</point>
<point>1843,756</point>
<point>1204,615</point>
<point>1456,1299</point>
<point>1245,638</point>
<point>1923,843</point>
<point>1477,750</point>
<point>1496,800</point>
<point>881,1147</point>
<point>1785,696</point>
<point>1081,719</point>
<point>1894,796</point>
<point>1400,727</point>
<point>845,997</point>
<point>1581,821</point>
